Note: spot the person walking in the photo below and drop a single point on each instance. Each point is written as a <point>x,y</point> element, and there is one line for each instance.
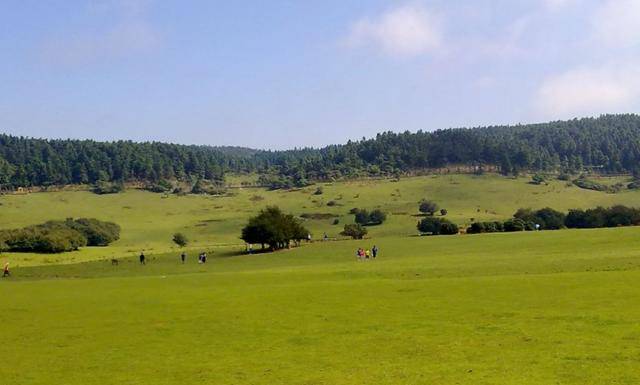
<point>6,272</point>
<point>374,251</point>
<point>367,254</point>
<point>142,259</point>
<point>204,257</point>
<point>183,256</point>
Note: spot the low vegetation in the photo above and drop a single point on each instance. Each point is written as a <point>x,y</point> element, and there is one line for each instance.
<point>60,236</point>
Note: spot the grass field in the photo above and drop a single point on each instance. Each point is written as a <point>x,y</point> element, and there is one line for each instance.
<point>148,220</point>
<point>530,308</point>
<point>556,307</point>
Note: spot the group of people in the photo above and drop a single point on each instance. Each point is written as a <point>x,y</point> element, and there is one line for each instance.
<point>202,258</point>
<point>367,254</point>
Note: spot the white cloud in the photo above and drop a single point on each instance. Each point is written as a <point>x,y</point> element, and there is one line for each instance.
<point>617,23</point>
<point>589,91</point>
<point>130,34</point>
<point>409,30</point>
<point>556,5</point>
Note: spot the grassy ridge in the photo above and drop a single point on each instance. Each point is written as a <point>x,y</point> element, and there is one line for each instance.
<point>528,308</point>
<point>148,219</point>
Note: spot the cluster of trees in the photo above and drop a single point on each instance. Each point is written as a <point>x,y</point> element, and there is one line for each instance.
<point>39,162</point>
<point>273,228</point>
<point>550,219</point>
<point>437,226</point>
<point>609,144</point>
<point>369,218</point>
<point>60,236</point>
<point>603,217</point>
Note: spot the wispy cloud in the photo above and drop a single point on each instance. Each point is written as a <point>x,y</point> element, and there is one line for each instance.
<point>130,34</point>
<point>616,23</point>
<point>589,91</point>
<point>556,5</point>
<point>408,30</point>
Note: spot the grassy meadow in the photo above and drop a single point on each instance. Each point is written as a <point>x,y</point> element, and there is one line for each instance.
<point>148,220</point>
<point>506,308</point>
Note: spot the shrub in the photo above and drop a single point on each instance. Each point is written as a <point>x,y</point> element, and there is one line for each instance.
<point>443,212</point>
<point>97,233</point>
<point>180,239</point>
<point>537,179</point>
<point>336,221</point>
<point>547,218</point>
<point>437,226</point>
<point>514,224</point>
<point>355,231</point>
<point>60,236</point>
<point>376,217</point>
<point>102,187</point>
<point>428,207</point>
<point>162,186</point>
<point>319,191</point>
<point>366,218</point>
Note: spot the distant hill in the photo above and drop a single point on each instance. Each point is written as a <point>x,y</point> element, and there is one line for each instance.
<point>610,144</point>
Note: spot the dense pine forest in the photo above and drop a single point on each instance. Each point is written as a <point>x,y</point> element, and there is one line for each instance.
<point>609,144</point>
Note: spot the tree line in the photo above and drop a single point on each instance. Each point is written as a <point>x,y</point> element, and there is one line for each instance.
<point>608,144</point>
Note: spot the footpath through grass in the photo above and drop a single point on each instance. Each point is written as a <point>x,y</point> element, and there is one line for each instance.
<point>528,308</point>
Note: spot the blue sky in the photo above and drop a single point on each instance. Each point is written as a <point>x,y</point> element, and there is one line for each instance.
<point>283,74</point>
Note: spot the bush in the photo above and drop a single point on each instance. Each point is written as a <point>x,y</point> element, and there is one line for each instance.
<point>547,218</point>
<point>537,179</point>
<point>485,227</point>
<point>514,224</point>
<point>428,207</point>
<point>180,239</point>
<point>97,233</point>
<point>376,217</point>
<point>366,218</point>
<point>443,212</point>
<point>437,226</point>
<point>355,231</point>
<point>603,217</point>
<point>162,186</point>
<point>60,236</point>
<point>102,187</point>
<point>319,191</point>
<point>336,221</point>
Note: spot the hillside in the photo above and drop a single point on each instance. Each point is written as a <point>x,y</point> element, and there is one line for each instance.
<point>609,144</point>
<point>148,220</point>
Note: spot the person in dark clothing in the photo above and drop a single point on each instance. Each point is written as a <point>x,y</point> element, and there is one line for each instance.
<point>374,251</point>
<point>183,256</point>
<point>142,259</point>
<point>204,257</point>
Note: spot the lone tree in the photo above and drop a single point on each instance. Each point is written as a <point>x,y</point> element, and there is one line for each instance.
<point>180,239</point>
<point>354,230</point>
<point>428,207</point>
<point>273,228</point>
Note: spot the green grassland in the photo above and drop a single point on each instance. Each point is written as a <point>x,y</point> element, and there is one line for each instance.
<point>148,220</point>
<point>527,308</point>
<point>553,307</point>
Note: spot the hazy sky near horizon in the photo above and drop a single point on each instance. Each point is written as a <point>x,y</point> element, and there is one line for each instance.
<point>283,74</point>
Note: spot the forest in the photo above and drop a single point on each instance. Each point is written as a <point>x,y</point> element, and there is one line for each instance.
<point>606,144</point>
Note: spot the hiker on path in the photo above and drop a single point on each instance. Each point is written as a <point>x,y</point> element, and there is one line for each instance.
<point>142,259</point>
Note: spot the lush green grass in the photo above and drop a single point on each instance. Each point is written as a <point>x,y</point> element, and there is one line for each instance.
<point>528,308</point>
<point>148,220</point>
<point>521,308</point>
